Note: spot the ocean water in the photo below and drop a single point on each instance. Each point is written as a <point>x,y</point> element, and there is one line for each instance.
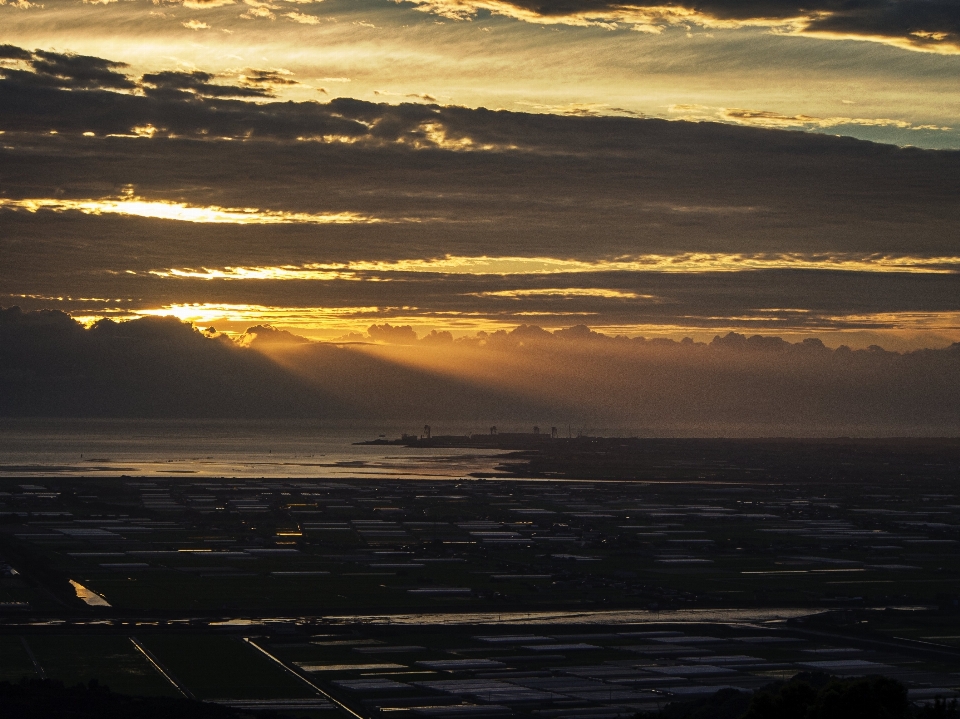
<point>224,448</point>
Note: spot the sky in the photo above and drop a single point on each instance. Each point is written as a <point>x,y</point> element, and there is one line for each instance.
<point>576,379</point>
<point>661,170</point>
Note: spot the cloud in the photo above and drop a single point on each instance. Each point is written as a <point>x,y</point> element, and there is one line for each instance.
<point>230,315</point>
<point>402,335</point>
<point>261,335</point>
<point>255,77</point>
<point>766,118</point>
<point>734,385</point>
<point>80,71</point>
<point>172,84</point>
<point>152,367</point>
<point>65,70</point>
<point>195,25</point>
<point>196,4</point>
<point>680,263</point>
<point>344,120</point>
<point>332,216</point>
<point>302,18</point>
<point>11,52</point>
<point>133,206</point>
<point>570,292</point>
<point>925,25</point>
<point>257,9</point>
<point>578,109</point>
<point>763,118</point>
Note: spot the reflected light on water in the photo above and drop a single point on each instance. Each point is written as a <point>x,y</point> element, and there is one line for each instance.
<point>91,598</point>
<point>641,616</point>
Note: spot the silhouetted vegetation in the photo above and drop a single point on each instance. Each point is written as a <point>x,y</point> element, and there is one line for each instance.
<point>941,709</point>
<point>725,704</point>
<point>813,696</point>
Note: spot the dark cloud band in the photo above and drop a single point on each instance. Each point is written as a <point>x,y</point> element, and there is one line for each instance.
<point>932,25</point>
<point>65,70</point>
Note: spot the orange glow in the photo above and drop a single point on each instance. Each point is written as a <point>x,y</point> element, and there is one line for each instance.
<point>688,262</point>
<point>182,212</point>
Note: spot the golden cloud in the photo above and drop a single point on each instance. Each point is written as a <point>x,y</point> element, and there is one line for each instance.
<point>181,212</point>
<point>484,265</point>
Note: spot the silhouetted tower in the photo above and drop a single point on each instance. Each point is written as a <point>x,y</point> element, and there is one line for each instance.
<point>426,431</point>
<point>553,433</point>
<point>493,429</point>
<point>536,430</point>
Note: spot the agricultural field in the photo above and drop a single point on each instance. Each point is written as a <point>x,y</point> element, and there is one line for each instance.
<point>550,595</point>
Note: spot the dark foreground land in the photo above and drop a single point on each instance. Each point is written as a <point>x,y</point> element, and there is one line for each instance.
<point>677,569</point>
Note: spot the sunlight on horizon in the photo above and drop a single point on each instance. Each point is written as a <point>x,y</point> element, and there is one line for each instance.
<point>178,211</point>
<point>900,330</point>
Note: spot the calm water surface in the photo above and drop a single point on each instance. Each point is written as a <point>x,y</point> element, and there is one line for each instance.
<point>225,448</point>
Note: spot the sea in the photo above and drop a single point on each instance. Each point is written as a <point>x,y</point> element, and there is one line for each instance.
<point>227,448</point>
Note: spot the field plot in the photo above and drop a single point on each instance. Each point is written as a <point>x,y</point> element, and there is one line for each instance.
<point>719,565</point>
<point>708,525</point>
<point>217,667</point>
<point>111,660</point>
<point>610,671</point>
<point>711,531</point>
